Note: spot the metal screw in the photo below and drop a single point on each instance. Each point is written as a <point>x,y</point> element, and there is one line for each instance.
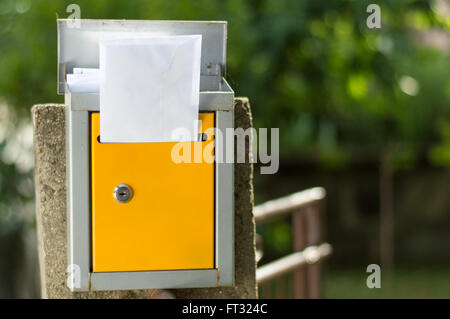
<point>123,193</point>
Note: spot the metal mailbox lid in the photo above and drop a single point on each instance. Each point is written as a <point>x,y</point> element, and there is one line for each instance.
<point>79,46</point>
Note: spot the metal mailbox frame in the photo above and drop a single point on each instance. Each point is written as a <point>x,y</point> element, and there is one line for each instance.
<point>215,95</point>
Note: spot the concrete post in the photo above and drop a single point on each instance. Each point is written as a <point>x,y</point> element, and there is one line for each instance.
<point>50,185</point>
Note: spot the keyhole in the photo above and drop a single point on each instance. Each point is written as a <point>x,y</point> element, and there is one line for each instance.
<point>123,193</point>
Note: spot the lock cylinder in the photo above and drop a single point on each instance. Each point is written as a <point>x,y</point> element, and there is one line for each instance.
<point>123,193</point>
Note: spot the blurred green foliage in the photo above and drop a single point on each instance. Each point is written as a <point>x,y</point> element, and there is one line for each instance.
<point>312,68</point>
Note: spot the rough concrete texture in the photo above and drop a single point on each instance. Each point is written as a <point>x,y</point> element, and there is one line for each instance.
<point>50,185</point>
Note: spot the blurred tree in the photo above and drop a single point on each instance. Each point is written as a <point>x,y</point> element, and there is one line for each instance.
<point>312,68</point>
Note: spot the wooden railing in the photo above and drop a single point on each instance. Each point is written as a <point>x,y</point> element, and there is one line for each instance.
<point>306,209</point>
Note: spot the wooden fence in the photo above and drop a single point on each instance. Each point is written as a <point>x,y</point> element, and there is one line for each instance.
<point>298,274</point>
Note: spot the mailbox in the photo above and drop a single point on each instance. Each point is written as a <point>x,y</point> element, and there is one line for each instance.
<point>136,219</point>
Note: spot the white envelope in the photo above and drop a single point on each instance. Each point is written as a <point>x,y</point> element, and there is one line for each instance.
<point>86,71</point>
<point>149,89</point>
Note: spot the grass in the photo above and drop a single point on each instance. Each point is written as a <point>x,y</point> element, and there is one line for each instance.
<point>405,283</point>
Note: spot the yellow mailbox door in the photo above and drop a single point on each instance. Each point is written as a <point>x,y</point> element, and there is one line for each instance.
<point>168,222</point>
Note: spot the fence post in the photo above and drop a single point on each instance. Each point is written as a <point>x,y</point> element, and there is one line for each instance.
<point>298,233</point>
<point>313,237</point>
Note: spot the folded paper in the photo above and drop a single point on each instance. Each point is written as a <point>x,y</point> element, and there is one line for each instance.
<point>83,83</point>
<point>86,71</point>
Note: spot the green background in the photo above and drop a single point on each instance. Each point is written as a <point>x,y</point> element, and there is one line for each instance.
<point>343,96</point>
